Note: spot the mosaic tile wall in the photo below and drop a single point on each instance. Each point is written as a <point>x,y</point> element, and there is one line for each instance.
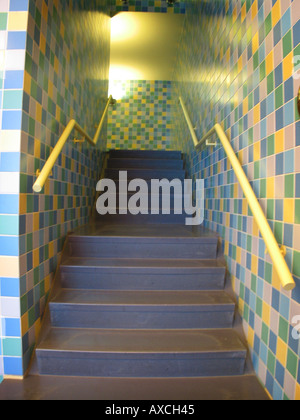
<point>61,80</point>
<point>142,119</point>
<point>159,6</point>
<point>235,67</point>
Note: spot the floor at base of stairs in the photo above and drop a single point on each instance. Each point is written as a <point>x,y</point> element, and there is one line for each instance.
<point>35,387</point>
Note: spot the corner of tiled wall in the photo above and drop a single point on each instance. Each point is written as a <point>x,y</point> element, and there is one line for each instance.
<point>13,28</point>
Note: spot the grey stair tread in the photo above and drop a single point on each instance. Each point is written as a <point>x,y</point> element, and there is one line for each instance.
<point>208,343</point>
<point>140,298</point>
<point>138,231</point>
<point>162,264</point>
<point>50,387</point>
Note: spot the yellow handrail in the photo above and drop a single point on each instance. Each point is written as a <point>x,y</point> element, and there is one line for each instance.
<point>275,252</point>
<point>72,125</point>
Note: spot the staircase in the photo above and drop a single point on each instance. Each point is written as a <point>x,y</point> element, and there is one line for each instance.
<point>145,302</point>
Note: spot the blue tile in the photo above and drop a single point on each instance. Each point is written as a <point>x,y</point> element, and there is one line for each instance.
<point>9,287</point>
<point>14,79</point>
<point>11,327</point>
<point>296,33</point>
<point>297,185</point>
<point>13,366</point>
<point>273,342</point>
<point>16,40</point>
<point>289,161</point>
<point>289,113</point>
<point>289,90</point>
<point>275,299</point>
<point>284,307</point>
<point>286,22</point>
<point>278,75</point>
<point>9,246</point>
<point>11,120</point>
<point>279,119</point>
<point>9,204</point>
<point>18,5</point>
<point>10,162</point>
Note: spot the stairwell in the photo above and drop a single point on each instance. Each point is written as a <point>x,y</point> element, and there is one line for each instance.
<point>140,308</point>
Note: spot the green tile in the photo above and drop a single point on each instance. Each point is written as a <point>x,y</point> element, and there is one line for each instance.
<point>265,333</point>
<point>12,346</point>
<point>283,329</point>
<point>289,189</point>
<point>271,362</point>
<point>287,44</point>
<point>270,82</point>
<point>9,225</point>
<point>279,97</point>
<point>291,363</point>
<point>259,306</point>
<point>271,145</point>
<point>12,99</point>
<point>262,71</point>
<point>297,210</point>
<point>3,21</point>
<point>296,263</point>
<point>268,24</point>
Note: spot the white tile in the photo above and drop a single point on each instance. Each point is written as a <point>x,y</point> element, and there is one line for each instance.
<point>14,59</point>
<point>10,140</point>
<point>10,307</point>
<point>9,183</point>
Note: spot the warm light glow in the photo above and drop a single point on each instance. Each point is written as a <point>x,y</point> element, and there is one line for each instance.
<point>123,27</point>
<point>121,72</point>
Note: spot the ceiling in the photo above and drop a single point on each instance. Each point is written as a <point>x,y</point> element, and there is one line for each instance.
<point>143,45</point>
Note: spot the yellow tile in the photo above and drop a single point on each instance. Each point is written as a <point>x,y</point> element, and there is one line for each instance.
<point>36,257</point>
<point>22,204</point>
<point>238,255</point>
<point>256,151</point>
<point>36,222</point>
<point>281,352</point>
<point>234,14</point>
<point>37,148</point>
<point>276,13</point>
<point>254,264</point>
<point>288,67</point>
<point>297,392</point>
<point>45,11</point>
<point>250,337</point>
<point>270,187</point>
<point>24,323</point>
<point>288,210</point>
<point>38,113</point>
<point>254,9</point>
<point>255,42</point>
<point>43,43</point>
<point>17,21</point>
<point>243,12</point>
<point>256,114</point>
<point>27,83</point>
<point>270,63</point>
<point>266,313</point>
<point>279,141</point>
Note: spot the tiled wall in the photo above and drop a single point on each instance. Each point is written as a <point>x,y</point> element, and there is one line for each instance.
<point>235,67</point>
<point>13,26</point>
<point>142,119</point>
<point>160,6</point>
<point>65,76</point>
